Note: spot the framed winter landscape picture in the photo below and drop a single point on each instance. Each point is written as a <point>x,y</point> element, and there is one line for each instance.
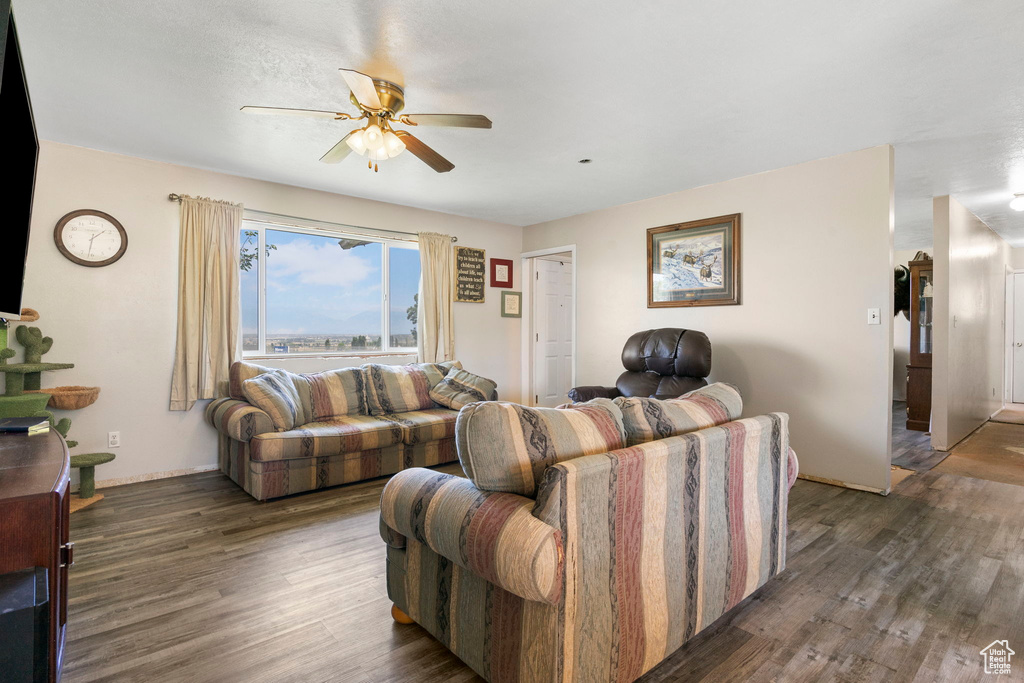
<point>695,263</point>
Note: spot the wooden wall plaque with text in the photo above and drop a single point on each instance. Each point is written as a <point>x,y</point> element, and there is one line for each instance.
<point>470,274</point>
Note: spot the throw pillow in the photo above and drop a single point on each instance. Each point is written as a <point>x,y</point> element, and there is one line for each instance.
<point>403,388</point>
<point>459,388</point>
<point>649,419</point>
<point>238,373</point>
<point>506,447</point>
<point>284,396</point>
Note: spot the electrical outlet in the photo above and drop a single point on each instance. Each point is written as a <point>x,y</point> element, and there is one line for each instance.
<point>874,316</point>
<point>113,439</point>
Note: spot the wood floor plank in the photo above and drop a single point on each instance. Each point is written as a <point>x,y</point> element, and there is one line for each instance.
<point>189,579</point>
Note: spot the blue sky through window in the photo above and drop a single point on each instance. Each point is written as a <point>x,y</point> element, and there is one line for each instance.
<point>314,286</point>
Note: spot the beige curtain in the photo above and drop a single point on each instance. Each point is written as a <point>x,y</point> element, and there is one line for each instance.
<point>208,299</point>
<point>435,323</point>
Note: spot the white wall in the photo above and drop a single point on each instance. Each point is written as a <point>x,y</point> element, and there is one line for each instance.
<point>901,334</point>
<point>816,254</point>
<point>967,362</point>
<point>117,324</point>
<point>1017,258</point>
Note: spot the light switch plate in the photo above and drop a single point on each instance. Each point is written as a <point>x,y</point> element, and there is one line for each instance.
<point>874,316</point>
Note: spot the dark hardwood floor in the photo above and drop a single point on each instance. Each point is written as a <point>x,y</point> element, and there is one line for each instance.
<point>189,579</point>
<point>910,449</point>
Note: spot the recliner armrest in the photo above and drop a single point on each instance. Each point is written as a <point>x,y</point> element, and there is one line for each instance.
<point>584,394</point>
<point>238,419</point>
<point>493,535</point>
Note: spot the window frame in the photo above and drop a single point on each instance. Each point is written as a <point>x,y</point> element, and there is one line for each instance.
<point>387,244</point>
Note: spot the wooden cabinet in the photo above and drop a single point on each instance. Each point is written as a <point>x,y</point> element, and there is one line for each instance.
<point>35,474</point>
<point>919,372</point>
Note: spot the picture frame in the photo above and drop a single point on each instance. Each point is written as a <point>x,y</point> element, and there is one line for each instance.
<point>696,263</point>
<point>501,272</point>
<point>511,304</point>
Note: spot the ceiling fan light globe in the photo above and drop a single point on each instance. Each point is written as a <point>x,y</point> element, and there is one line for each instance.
<point>393,144</point>
<point>380,154</point>
<point>373,137</point>
<point>356,142</point>
<point>1017,204</point>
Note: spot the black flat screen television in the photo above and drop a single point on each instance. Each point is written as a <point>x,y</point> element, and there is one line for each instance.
<point>21,152</point>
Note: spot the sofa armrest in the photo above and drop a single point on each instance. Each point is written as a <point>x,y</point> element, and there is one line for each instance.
<point>493,535</point>
<point>584,394</point>
<point>793,468</point>
<point>238,419</point>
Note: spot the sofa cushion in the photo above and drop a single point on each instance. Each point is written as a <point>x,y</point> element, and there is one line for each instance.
<point>402,388</point>
<point>648,419</point>
<point>349,434</point>
<point>506,447</point>
<point>282,395</point>
<point>238,373</point>
<point>336,393</point>
<point>420,426</point>
<point>459,388</point>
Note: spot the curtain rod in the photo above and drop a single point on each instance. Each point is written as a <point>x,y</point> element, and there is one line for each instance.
<point>177,198</point>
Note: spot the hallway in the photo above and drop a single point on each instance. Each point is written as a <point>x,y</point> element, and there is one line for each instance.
<point>910,449</point>
<point>994,452</point>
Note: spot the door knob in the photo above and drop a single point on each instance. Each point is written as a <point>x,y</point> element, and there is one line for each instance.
<point>1019,343</point>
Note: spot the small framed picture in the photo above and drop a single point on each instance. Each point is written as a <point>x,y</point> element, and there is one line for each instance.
<point>511,304</point>
<point>501,272</point>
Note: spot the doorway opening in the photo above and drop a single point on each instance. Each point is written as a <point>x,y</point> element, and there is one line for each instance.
<point>912,361</point>
<point>1013,394</point>
<point>549,332</point>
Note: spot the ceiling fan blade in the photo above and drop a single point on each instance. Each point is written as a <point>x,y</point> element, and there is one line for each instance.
<point>288,111</point>
<point>449,120</point>
<point>362,87</point>
<point>424,153</point>
<point>338,152</point>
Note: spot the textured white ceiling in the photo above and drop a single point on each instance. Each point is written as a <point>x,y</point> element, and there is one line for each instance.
<point>663,96</point>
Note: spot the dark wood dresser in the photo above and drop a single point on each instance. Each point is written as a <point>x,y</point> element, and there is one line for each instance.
<point>34,518</point>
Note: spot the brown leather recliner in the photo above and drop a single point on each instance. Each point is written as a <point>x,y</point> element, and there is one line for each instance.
<point>663,363</point>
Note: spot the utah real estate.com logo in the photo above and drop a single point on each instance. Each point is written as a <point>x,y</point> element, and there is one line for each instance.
<point>997,657</point>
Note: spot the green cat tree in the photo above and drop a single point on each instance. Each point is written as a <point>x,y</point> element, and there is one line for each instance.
<point>23,397</point>
<point>26,376</point>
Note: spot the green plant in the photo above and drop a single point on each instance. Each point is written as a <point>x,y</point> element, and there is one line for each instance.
<point>34,342</point>
<point>249,253</point>
<point>413,312</point>
<point>5,355</point>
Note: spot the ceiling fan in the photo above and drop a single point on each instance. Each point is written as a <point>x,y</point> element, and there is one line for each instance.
<point>380,102</point>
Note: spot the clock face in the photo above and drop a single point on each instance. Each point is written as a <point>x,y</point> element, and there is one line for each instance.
<point>90,238</point>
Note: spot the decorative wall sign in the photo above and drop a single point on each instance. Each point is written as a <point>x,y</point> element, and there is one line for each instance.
<point>511,304</point>
<point>501,272</point>
<point>695,263</point>
<point>470,274</point>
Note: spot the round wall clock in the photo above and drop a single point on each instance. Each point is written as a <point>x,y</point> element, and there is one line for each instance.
<point>90,238</point>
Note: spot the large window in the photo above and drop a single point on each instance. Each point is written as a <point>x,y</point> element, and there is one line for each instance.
<point>313,291</point>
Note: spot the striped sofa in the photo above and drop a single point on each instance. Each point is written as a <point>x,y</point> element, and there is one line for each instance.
<point>350,424</point>
<point>619,530</point>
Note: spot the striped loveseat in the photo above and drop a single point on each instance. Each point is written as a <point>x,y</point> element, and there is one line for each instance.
<point>330,428</point>
<point>589,543</point>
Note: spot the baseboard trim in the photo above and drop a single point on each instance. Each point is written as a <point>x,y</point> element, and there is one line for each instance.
<point>107,483</point>
<point>843,484</point>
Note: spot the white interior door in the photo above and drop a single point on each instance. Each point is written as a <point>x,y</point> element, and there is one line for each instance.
<point>552,320</point>
<point>1018,338</point>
